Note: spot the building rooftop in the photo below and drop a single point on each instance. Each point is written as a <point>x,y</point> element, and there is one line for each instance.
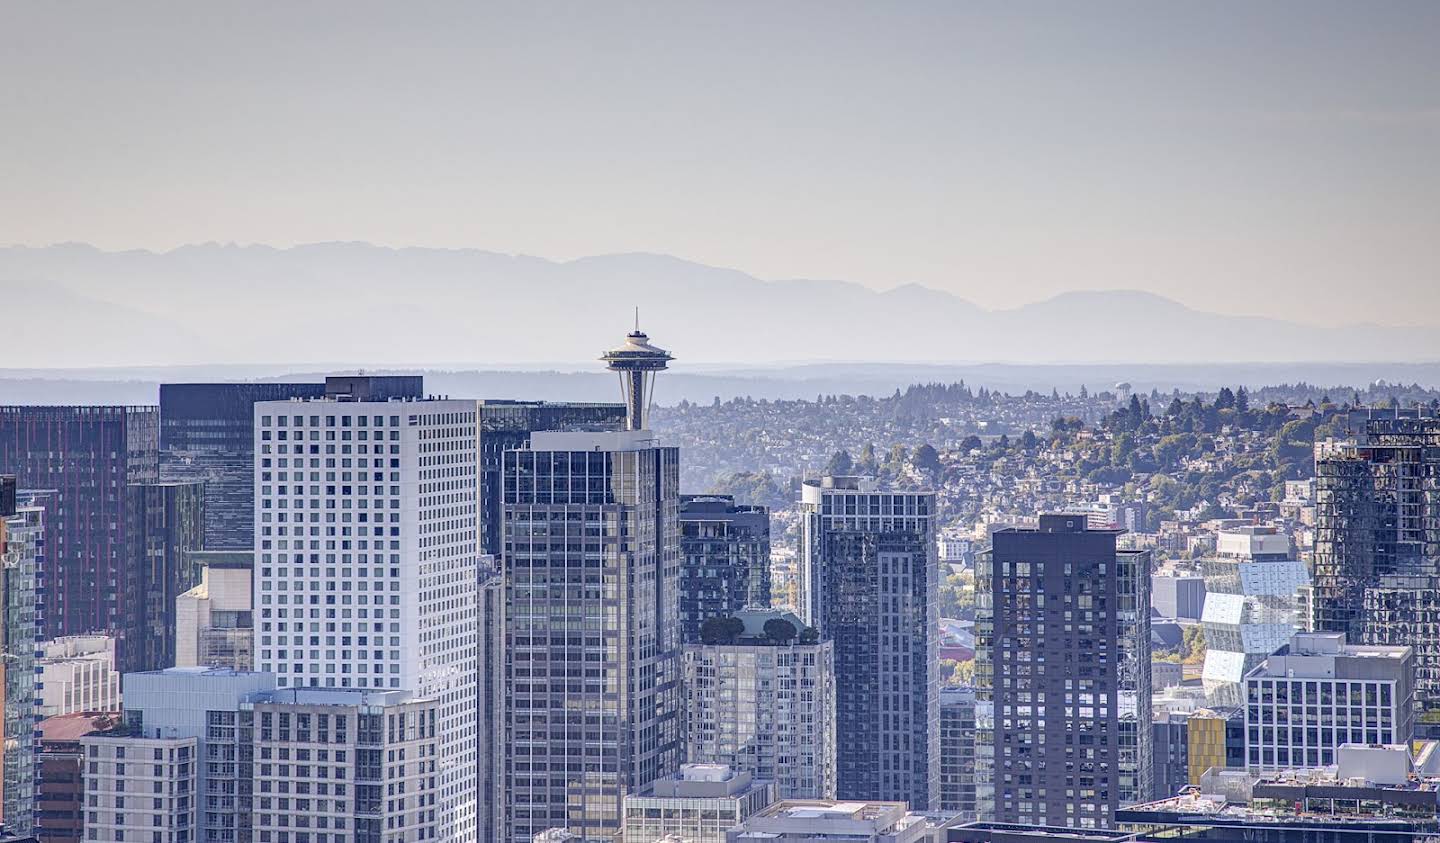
<point>73,727</point>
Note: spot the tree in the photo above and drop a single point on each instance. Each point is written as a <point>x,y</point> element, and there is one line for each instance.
<point>1028,440</point>
<point>809,635</point>
<point>1192,644</point>
<point>721,630</point>
<point>779,630</point>
<point>840,464</point>
<point>971,443</point>
<point>926,458</point>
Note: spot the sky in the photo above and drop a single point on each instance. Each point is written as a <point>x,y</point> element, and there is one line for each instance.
<point>1272,158</point>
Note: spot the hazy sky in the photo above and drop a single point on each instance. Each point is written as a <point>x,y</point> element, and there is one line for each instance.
<point>1245,157</point>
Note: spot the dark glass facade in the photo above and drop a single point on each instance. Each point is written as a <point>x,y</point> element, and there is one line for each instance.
<point>870,584</point>
<point>1063,653</point>
<point>507,425</point>
<point>89,456</point>
<point>591,541</point>
<point>207,434</point>
<point>726,567</point>
<point>1377,542</point>
<point>165,525</point>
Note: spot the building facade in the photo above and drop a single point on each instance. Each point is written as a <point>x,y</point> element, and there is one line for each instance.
<point>166,522</point>
<point>1319,692</point>
<point>60,769</point>
<point>76,673</point>
<point>207,435</point>
<point>957,752</point>
<point>344,765</point>
<point>367,568</point>
<point>1377,540</point>
<point>869,583</point>
<point>726,560</point>
<point>1063,652</point>
<point>1252,606</point>
<point>764,705</point>
<point>22,541</point>
<point>140,788</point>
<point>591,540</point>
<point>215,621</point>
<point>88,456</point>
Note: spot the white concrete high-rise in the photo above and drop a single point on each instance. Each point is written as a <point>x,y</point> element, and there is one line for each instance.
<point>367,561</point>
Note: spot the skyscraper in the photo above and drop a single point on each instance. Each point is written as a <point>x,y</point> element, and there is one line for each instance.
<point>590,533</point>
<point>207,434</point>
<point>726,560</point>
<point>764,702</point>
<point>505,426</point>
<point>1251,606</point>
<point>591,561</point>
<point>22,534</point>
<point>367,537</point>
<point>89,456</point>
<point>869,583</point>
<point>957,752</point>
<point>166,521</point>
<point>1063,652</point>
<point>1377,540</point>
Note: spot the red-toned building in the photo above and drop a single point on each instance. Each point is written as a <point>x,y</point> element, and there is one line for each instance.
<point>60,789</point>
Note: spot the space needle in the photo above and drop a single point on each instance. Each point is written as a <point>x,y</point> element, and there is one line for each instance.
<point>637,362</point>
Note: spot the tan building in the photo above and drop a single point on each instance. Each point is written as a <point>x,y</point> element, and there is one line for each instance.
<point>214,620</point>
<point>77,673</point>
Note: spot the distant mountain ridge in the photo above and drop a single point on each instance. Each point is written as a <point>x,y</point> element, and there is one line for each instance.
<point>75,305</point>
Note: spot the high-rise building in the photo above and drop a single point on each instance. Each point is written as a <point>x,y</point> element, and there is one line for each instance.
<point>367,757</point>
<point>726,560</point>
<point>869,583</point>
<point>697,805</point>
<point>1377,540</point>
<point>367,567</point>
<point>957,752</point>
<point>1251,606</point>
<point>76,673</point>
<point>214,621</point>
<point>1169,753</point>
<point>207,435</point>
<point>763,701</point>
<point>591,538</point>
<point>507,426</point>
<point>89,456</point>
<point>1063,652</point>
<point>1319,692</point>
<point>166,521</point>
<point>22,537</point>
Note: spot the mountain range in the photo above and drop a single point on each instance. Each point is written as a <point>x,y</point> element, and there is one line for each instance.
<point>73,305</point>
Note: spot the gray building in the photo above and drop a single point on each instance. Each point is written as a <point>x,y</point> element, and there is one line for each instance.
<point>1170,754</point>
<point>726,560</point>
<point>699,804</point>
<point>22,542</point>
<point>764,703</point>
<point>591,562</point>
<point>166,525</point>
<point>207,434</point>
<point>1319,692</point>
<point>957,752</point>
<point>1063,652</point>
<point>1178,596</point>
<point>820,821</point>
<point>1377,540</point>
<point>869,583</point>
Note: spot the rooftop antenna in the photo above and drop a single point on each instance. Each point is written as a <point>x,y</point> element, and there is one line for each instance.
<point>637,318</point>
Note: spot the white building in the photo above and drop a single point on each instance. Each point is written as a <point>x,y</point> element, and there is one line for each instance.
<point>764,706</point>
<point>76,673</point>
<point>367,538</point>
<point>795,821</point>
<point>140,789</point>
<point>213,621</point>
<point>1252,605</point>
<point>697,805</point>
<point>1318,693</point>
<point>344,764</point>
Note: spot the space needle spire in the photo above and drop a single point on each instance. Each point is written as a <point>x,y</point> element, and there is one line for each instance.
<point>637,362</point>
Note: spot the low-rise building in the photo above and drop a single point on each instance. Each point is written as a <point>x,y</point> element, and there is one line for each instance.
<point>825,821</point>
<point>1319,692</point>
<point>76,673</point>
<point>697,805</point>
